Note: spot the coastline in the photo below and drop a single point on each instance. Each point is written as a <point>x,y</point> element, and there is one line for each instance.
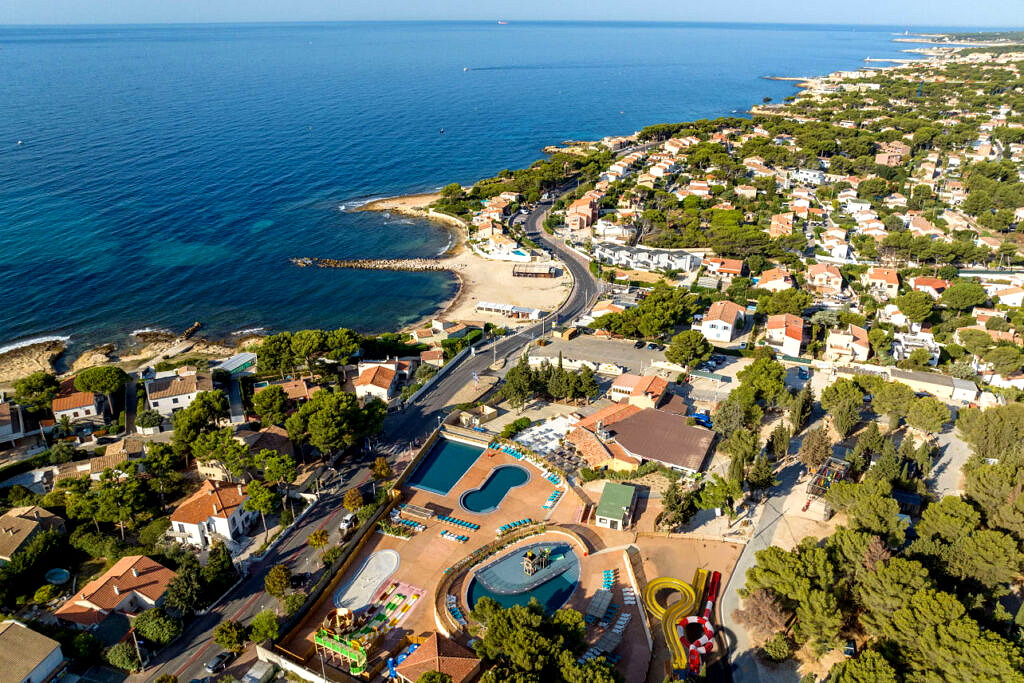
<point>473,274</point>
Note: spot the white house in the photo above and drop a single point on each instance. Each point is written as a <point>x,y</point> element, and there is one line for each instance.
<point>376,381</point>
<point>722,321</point>
<point>27,656</point>
<point>169,392</point>
<point>215,512</point>
<point>785,332</point>
<point>904,344</point>
<point>80,405</point>
<point>1011,296</point>
<point>851,345</point>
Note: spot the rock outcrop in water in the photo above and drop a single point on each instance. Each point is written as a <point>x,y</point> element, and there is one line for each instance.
<point>412,264</point>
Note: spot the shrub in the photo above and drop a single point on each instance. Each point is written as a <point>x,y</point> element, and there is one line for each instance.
<point>513,428</point>
<point>330,556</point>
<point>293,603</point>
<point>264,626</point>
<point>45,593</point>
<point>153,533</point>
<point>157,627</point>
<point>123,656</point>
<point>353,499</point>
<point>777,648</point>
<point>148,419</point>
<point>86,647</point>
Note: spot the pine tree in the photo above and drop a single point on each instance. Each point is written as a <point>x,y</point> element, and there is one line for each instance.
<point>761,476</point>
<point>800,408</point>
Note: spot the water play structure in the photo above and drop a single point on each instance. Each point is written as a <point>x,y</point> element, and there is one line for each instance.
<point>675,618</point>
<point>337,640</point>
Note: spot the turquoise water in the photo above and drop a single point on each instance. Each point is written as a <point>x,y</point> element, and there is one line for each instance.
<point>444,465</point>
<point>488,497</point>
<point>551,594</point>
<point>166,174</point>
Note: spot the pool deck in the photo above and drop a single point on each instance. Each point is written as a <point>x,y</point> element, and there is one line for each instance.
<point>426,555</point>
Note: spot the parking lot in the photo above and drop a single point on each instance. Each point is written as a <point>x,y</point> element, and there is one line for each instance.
<point>621,352</point>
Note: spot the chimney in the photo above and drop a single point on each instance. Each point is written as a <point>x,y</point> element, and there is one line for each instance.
<point>36,512</point>
<point>209,492</point>
<point>214,508</point>
<point>135,572</point>
<point>240,492</point>
<point>117,591</point>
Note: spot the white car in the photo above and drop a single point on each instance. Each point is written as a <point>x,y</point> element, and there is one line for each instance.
<point>347,522</point>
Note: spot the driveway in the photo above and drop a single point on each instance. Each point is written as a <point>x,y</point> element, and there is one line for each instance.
<point>953,452</point>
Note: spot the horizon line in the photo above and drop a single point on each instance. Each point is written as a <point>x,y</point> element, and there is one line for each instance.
<point>265,22</point>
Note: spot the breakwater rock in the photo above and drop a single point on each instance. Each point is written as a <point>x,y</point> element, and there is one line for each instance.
<point>412,264</point>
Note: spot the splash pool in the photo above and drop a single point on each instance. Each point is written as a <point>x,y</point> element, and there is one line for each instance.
<point>505,581</point>
<point>443,466</point>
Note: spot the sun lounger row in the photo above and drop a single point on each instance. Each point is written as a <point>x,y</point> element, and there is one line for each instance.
<point>454,537</point>
<point>552,500</point>
<point>453,609</point>
<point>514,525</point>
<point>628,596</point>
<point>459,522</point>
<point>608,579</point>
<point>622,623</point>
<point>553,478</point>
<point>495,445</point>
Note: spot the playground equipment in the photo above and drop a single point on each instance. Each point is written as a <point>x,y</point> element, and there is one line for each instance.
<point>395,661</point>
<point>685,655</point>
<point>533,562</point>
<point>336,642</point>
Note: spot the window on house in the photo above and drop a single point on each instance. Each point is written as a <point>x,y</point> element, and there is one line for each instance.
<point>174,400</point>
<point>181,527</point>
<point>74,414</point>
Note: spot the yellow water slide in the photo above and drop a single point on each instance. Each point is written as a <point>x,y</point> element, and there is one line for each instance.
<point>670,616</point>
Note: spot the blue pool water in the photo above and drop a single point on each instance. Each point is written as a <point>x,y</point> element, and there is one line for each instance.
<point>444,465</point>
<point>551,594</point>
<point>488,497</point>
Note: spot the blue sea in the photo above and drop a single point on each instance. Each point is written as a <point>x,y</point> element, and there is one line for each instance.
<point>151,176</point>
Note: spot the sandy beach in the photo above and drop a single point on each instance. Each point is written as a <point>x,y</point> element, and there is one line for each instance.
<point>480,279</point>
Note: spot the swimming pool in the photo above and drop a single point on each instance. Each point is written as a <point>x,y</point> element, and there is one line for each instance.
<point>443,466</point>
<point>488,497</point>
<point>506,574</point>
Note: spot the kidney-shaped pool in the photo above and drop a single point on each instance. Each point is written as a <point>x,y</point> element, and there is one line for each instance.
<point>488,497</point>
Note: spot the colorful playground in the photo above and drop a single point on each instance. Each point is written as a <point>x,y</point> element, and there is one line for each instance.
<point>530,541</point>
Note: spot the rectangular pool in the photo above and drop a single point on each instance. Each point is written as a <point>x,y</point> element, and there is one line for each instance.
<point>443,466</point>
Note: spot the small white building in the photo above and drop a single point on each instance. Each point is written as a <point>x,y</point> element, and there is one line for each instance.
<point>78,406</point>
<point>376,381</point>
<point>169,392</point>
<point>215,512</point>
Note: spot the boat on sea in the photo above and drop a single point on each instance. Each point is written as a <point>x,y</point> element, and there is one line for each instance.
<point>502,23</point>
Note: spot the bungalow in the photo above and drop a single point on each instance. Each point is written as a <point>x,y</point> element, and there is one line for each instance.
<point>726,268</point>
<point>215,512</point>
<point>169,392</point>
<point>270,438</point>
<point>135,583</point>
<point>433,357</point>
<point>849,345</point>
<point>20,525</point>
<point>785,332</point>
<point>721,321</point>
<point>895,200</point>
<point>932,286</point>
<point>615,508</point>
<point>775,280</point>
<point>27,656</point>
<point>807,176</point>
<point>824,278</point>
<point>854,205</point>
<point>376,381</point>
<point>78,406</point>
<point>881,281</point>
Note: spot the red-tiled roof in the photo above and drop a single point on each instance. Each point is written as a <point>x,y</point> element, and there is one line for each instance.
<point>725,311</point>
<point>79,399</point>
<point>438,653</point>
<point>213,499</point>
<point>132,574</point>
<point>378,376</point>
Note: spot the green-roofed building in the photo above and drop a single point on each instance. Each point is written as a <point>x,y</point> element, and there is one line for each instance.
<point>615,509</point>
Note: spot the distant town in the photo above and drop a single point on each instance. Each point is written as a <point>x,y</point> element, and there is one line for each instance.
<point>730,399</point>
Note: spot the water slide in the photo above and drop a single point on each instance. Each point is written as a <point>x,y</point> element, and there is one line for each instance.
<point>672,614</point>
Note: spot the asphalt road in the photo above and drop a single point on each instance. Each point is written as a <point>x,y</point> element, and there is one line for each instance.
<point>185,658</point>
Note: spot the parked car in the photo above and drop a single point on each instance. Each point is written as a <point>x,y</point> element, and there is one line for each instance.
<point>220,662</point>
<point>299,579</point>
<point>639,344</point>
<point>743,345</point>
<point>803,373</point>
<point>347,522</point>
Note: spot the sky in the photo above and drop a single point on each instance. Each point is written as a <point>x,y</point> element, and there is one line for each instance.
<point>910,13</point>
